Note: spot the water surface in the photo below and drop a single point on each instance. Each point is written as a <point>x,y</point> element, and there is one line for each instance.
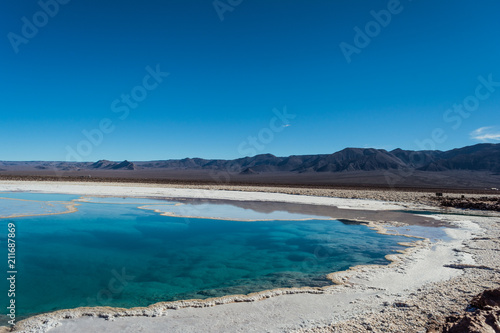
<point>109,254</point>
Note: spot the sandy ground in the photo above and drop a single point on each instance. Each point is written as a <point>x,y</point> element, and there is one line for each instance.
<point>420,287</point>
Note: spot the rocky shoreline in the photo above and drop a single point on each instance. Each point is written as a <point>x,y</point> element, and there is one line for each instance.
<point>481,315</point>
<point>477,203</point>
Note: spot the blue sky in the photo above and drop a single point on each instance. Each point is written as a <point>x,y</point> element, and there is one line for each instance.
<point>229,79</point>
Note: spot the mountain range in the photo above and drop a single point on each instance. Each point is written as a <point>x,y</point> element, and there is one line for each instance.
<point>484,158</point>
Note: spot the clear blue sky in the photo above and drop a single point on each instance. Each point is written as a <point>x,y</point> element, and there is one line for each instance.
<point>226,77</point>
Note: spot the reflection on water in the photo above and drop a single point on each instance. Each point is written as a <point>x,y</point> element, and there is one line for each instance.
<point>228,212</point>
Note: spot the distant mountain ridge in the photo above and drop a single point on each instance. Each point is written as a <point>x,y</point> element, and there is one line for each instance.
<point>105,164</point>
<point>479,157</point>
<point>484,157</point>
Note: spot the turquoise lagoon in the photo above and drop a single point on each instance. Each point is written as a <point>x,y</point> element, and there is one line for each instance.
<point>111,253</point>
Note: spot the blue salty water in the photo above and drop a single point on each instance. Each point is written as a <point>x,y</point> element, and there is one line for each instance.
<point>18,203</point>
<point>38,196</point>
<point>121,256</point>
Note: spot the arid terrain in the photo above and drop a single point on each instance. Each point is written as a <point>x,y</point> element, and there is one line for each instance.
<point>470,168</point>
